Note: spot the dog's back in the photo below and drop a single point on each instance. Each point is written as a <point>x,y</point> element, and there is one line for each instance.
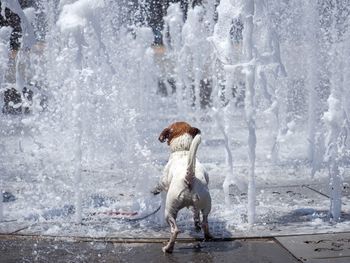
<point>189,184</point>
<point>180,193</point>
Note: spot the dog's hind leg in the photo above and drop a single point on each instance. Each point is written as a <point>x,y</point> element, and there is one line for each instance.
<point>205,226</point>
<point>174,232</point>
<point>196,219</point>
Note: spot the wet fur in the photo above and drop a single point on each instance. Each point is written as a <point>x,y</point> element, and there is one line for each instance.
<point>185,180</point>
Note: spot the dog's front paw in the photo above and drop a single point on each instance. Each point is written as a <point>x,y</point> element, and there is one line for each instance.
<point>155,192</point>
<point>197,227</point>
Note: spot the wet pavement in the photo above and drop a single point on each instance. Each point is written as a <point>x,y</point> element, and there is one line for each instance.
<point>36,249</point>
<point>294,227</point>
<point>323,248</point>
<point>292,218</point>
<point>334,248</point>
<point>296,233</point>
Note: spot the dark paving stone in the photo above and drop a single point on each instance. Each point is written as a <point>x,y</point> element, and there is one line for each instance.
<point>319,248</point>
<point>39,250</point>
<point>330,260</point>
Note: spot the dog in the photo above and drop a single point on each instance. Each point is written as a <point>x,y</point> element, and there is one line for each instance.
<point>184,179</point>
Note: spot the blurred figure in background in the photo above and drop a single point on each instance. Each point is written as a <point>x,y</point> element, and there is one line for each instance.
<point>12,97</point>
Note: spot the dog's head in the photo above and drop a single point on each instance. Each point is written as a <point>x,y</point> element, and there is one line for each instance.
<point>176,130</point>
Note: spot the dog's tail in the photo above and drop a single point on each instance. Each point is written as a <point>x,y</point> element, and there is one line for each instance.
<point>191,163</point>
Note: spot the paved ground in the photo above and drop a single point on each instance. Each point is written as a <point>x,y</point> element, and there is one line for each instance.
<point>288,237</point>
<point>33,249</point>
<point>322,248</point>
<point>332,248</point>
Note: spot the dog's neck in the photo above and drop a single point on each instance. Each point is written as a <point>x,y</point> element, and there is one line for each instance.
<point>181,143</point>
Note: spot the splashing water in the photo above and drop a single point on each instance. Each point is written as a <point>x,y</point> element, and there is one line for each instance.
<point>94,92</point>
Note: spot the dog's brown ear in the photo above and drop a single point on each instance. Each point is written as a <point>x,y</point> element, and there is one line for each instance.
<point>164,135</point>
<point>194,131</point>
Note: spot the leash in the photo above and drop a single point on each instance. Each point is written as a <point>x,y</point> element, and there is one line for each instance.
<point>128,214</point>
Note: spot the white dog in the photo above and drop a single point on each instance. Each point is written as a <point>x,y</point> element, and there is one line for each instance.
<point>185,179</point>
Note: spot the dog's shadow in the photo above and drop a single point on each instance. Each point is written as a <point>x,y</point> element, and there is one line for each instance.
<point>207,246</point>
<point>200,251</point>
<point>218,230</point>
